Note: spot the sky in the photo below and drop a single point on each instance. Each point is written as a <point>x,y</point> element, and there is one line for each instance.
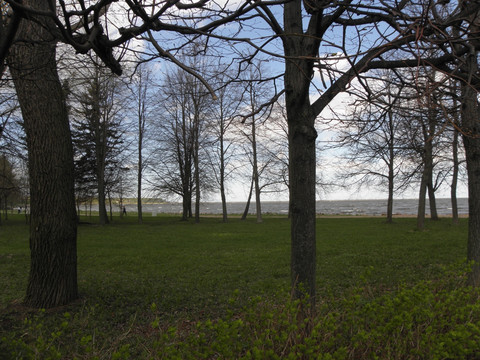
<point>239,191</point>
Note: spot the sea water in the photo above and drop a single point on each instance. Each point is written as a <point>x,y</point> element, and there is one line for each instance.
<point>325,207</point>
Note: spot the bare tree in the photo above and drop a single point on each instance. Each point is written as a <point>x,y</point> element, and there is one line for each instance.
<point>220,127</point>
<point>181,134</point>
<point>142,98</point>
<point>370,134</point>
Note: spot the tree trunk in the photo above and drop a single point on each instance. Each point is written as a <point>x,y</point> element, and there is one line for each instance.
<point>471,138</point>
<point>102,206</point>
<point>53,226</point>
<point>222,192</point>
<point>390,196</point>
<point>428,173</point>
<point>432,200</point>
<point>391,170</point>
<point>222,172</point>
<point>110,206</point>
<point>302,137</point>
<point>428,161</point>
<point>247,206</point>
<point>258,204</point>
<point>422,202</point>
<point>299,52</point>
<point>139,175</point>
<point>196,165</point>
<point>186,201</point>
<point>453,185</point>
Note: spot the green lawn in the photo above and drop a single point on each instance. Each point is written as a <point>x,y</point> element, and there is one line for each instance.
<point>190,271</point>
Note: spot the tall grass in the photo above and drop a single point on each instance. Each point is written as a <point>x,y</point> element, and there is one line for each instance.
<point>137,281</point>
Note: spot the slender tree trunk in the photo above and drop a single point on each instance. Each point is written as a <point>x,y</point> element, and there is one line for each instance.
<point>222,173</point>
<point>141,99</point>
<point>110,206</point>
<point>186,200</point>
<point>258,204</point>
<point>422,202</point>
<point>390,195</point>
<point>453,185</point>
<point>53,225</point>
<point>432,123</point>
<point>470,116</point>
<point>5,200</point>
<point>247,206</point>
<point>197,173</point>
<point>100,148</point>
<point>391,170</point>
<point>102,206</point>
<point>428,174</point>
<point>139,174</point>
<point>428,161</point>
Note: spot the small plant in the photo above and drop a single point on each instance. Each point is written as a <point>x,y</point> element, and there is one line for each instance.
<point>430,320</point>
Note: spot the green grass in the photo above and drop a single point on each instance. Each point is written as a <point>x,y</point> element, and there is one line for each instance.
<point>190,271</point>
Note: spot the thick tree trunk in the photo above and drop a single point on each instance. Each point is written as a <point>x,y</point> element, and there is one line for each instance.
<point>300,52</point>
<point>470,116</point>
<point>432,200</point>
<point>53,226</point>
<point>186,206</point>
<point>302,137</point>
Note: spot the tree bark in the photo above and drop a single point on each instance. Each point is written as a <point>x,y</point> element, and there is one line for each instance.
<point>470,115</point>
<point>453,185</point>
<point>302,137</point>
<point>432,200</point>
<point>53,225</point>
<point>249,198</point>
<point>422,202</point>
<point>300,52</point>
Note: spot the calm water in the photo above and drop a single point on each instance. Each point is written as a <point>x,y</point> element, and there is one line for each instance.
<point>327,207</point>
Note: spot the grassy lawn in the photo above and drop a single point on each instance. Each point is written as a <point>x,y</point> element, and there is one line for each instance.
<point>171,273</point>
